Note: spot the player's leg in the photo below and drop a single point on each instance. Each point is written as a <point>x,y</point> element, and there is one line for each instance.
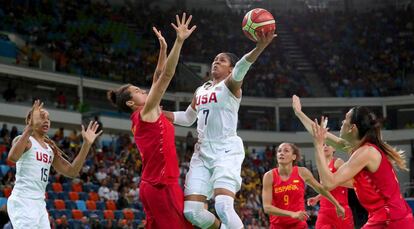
<point>227,181</point>
<point>197,189</point>
<point>43,215</point>
<point>144,194</point>
<point>21,213</point>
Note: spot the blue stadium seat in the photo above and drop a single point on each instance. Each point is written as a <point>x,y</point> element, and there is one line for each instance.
<point>83,196</point>
<point>100,205</point>
<point>86,213</point>
<point>139,214</point>
<point>118,214</point>
<point>63,195</point>
<point>4,169</point>
<point>51,195</point>
<point>54,213</point>
<point>49,204</point>
<point>81,205</point>
<point>66,187</point>
<point>3,201</point>
<point>66,212</point>
<point>70,204</point>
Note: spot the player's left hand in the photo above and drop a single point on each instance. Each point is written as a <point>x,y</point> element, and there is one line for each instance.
<point>264,39</point>
<point>183,32</point>
<point>319,132</point>
<point>89,135</point>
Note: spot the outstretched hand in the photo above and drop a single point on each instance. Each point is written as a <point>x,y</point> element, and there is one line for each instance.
<point>35,119</point>
<point>182,27</point>
<point>89,135</point>
<point>296,105</point>
<point>161,39</point>
<point>319,131</point>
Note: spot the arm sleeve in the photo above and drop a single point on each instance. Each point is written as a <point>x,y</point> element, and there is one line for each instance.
<point>241,68</point>
<point>185,118</point>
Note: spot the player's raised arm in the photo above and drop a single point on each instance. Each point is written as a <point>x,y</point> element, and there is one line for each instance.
<point>235,81</point>
<point>150,110</point>
<point>162,56</point>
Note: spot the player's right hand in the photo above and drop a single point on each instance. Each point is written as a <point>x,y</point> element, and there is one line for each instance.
<point>161,39</point>
<point>312,201</point>
<point>36,119</point>
<point>300,215</point>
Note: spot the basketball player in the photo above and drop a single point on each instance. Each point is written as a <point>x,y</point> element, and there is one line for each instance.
<point>283,191</point>
<point>160,192</point>
<point>370,166</point>
<point>34,153</point>
<point>216,163</point>
<point>327,217</point>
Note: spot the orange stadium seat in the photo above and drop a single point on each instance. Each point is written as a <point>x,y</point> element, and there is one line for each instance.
<point>59,204</point>
<point>109,214</point>
<point>73,196</point>
<point>93,196</point>
<point>57,187</point>
<point>77,214</point>
<point>128,214</point>
<point>7,192</point>
<point>91,205</point>
<point>110,205</point>
<point>77,187</point>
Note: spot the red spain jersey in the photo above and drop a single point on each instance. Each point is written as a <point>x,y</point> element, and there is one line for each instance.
<point>340,193</point>
<point>156,144</point>
<point>287,195</point>
<point>379,193</point>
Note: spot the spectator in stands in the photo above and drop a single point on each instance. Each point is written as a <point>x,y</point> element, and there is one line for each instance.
<point>34,58</point>
<point>13,133</point>
<point>4,132</point>
<point>61,101</point>
<point>104,191</point>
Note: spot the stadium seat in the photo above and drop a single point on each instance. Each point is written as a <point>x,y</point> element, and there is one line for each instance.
<point>83,196</point>
<point>118,214</point>
<point>51,195</point>
<point>109,214</point>
<point>90,205</point>
<point>4,169</point>
<point>77,214</point>
<point>7,191</point>
<point>77,187</point>
<point>74,223</point>
<point>73,196</point>
<point>49,204</point>
<point>66,187</point>
<point>63,195</point>
<point>110,205</point>
<point>139,215</point>
<point>57,187</point>
<point>80,204</point>
<point>93,196</point>
<point>59,204</point>
<point>100,205</point>
<point>3,201</point>
<point>128,214</point>
<point>70,204</point>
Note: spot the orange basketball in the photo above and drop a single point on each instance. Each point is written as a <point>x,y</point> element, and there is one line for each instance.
<point>257,20</point>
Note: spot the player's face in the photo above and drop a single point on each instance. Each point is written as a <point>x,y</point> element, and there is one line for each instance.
<point>285,154</point>
<point>45,121</point>
<point>346,125</point>
<point>221,66</point>
<point>138,96</point>
<point>328,150</point>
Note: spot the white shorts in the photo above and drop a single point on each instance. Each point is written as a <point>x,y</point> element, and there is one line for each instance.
<point>27,213</point>
<point>215,165</point>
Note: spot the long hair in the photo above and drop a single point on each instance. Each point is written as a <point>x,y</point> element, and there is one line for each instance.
<point>119,97</point>
<point>369,130</point>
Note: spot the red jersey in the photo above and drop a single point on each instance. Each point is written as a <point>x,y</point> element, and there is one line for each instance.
<point>340,193</point>
<point>379,193</point>
<point>156,144</point>
<point>288,195</point>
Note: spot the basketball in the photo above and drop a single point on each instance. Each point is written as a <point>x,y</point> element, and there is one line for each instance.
<point>257,20</point>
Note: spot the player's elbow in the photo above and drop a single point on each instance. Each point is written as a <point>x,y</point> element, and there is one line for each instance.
<point>11,157</point>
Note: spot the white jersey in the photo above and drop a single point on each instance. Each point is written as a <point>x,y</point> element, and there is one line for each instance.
<point>217,112</point>
<point>32,171</point>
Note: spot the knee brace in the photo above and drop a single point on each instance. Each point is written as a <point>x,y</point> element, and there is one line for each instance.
<point>195,213</point>
<point>225,210</point>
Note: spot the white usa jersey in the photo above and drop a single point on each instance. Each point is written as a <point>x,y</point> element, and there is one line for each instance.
<point>217,112</point>
<point>32,171</point>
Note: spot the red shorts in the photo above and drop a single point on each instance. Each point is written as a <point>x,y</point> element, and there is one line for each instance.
<point>328,219</point>
<point>163,206</point>
<point>404,223</point>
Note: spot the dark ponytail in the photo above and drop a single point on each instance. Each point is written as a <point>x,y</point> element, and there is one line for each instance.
<point>369,130</point>
<point>119,97</point>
